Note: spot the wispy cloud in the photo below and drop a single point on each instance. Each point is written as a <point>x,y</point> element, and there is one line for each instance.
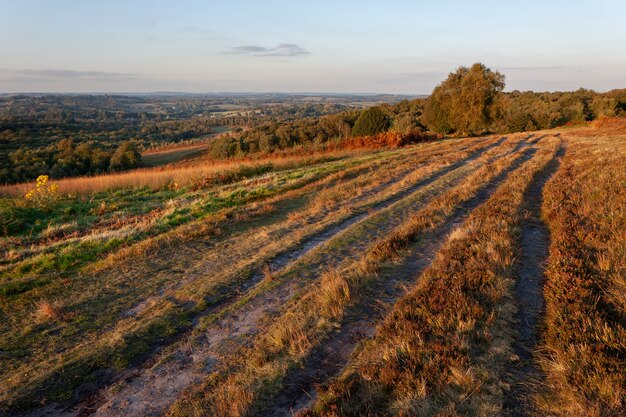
<point>282,49</point>
<point>39,74</point>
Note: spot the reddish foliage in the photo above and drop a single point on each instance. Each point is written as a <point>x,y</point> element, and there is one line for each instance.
<point>386,139</point>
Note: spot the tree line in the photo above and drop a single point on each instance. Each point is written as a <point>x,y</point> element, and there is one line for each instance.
<point>66,159</point>
<point>470,101</point>
<point>34,130</point>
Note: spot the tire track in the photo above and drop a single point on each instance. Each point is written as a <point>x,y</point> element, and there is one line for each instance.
<point>300,247</point>
<point>171,377</point>
<point>314,241</point>
<point>189,275</point>
<point>280,261</point>
<point>106,376</point>
<point>534,250</point>
<point>329,358</point>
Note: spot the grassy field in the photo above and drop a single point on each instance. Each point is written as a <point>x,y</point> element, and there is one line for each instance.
<point>479,276</point>
<point>170,156</point>
<point>177,153</point>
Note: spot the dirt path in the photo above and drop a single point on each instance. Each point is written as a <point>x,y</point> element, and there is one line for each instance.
<point>534,245</point>
<point>233,291</point>
<point>329,358</point>
<point>231,326</point>
<point>314,241</point>
<point>150,390</point>
<point>298,247</point>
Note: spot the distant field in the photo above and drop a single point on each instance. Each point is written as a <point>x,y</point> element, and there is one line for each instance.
<point>475,276</point>
<point>170,155</point>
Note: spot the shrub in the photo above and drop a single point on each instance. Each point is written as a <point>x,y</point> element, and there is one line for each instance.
<point>386,139</point>
<point>371,122</point>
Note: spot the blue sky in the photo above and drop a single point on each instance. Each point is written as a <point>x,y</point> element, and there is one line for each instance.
<point>303,46</point>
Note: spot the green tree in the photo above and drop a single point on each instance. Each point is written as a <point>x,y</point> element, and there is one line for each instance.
<point>465,102</point>
<point>604,106</point>
<point>370,122</point>
<point>126,156</point>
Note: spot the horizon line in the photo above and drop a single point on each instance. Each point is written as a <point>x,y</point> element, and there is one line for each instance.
<point>287,93</point>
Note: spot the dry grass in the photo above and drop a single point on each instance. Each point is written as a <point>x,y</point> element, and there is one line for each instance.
<point>268,274</point>
<point>46,311</point>
<point>584,350</point>
<point>334,293</point>
<point>442,348</point>
<point>200,172</point>
<point>308,319</point>
<point>134,273</point>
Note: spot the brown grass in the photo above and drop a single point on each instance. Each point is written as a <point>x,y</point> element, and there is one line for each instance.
<point>334,293</point>
<point>141,263</point>
<point>308,319</point>
<point>135,272</point>
<point>444,345</point>
<point>584,350</point>
<point>205,172</point>
<point>268,274</point>
<point>46,311</point>
<point>611,128</point>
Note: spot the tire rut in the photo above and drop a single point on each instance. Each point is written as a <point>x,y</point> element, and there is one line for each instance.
<point>85,396</point>
<point>230,294</point>
<point>329,358</point>
<point>534,250</point>
<point>283,259</point>
<point>278,262</point>
<point>193,362</point>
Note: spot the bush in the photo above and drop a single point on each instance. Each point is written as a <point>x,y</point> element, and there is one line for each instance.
<point>387,139</point>
<point>371,122</point>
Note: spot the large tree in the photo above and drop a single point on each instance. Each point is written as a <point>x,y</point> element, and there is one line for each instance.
<point>465,102</point>
<point>126,156</point>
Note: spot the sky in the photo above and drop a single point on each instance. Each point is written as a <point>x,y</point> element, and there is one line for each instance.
<point>399,47</point>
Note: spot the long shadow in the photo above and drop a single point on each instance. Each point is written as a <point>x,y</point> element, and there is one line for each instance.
<point>230,294</point>
<point>537,139</point>
<point>331,356</point>
<point>280,294</point>
<point>534,249</point>
<point>314,240</point>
